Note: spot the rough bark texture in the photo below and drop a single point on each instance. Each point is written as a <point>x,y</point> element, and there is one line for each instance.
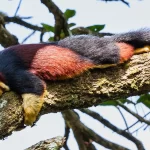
<point>50,144</point>
<point>6,38</point>
<point>91,88</point>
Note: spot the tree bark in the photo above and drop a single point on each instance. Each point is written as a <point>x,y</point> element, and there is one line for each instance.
<point>6,38</point>
<point>91,88</point>
<point>50,144</point>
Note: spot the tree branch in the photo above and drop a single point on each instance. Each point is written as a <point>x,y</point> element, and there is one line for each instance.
<point>91,88</point>
<point>84,135</point>
<point>50,144</point>
<point>19,21</point>
<point>66,135</point>
<point>60,21</point>
<point>6,38</point>
<point>83,30</point>
<point>114,128</point>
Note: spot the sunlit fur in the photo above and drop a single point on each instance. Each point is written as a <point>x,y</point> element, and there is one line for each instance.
<point>142,50</point>
<point>32,105</point>
<point>58,63</point>
<point>3,88</point>
<point>126,51</point>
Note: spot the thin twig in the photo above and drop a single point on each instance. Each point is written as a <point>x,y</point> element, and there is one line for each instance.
<point>28,37</point>
<point>136,109</point>
<point>41,37</point>
<point>138,128</point>
<point>133,113</point>
<point>136,122</point>
<point>123,1</point>
<point>123,117</point>
<point>29,17</point>
<point>146,127</point>
<point>18,7</point>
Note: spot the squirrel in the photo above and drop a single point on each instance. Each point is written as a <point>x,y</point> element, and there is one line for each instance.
<point>25,68</point>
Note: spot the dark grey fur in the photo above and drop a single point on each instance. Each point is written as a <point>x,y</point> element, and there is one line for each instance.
<point>138,38</point>
<point>104,50</point>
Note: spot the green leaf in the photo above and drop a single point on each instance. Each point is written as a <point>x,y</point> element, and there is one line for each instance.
<point>48,28</point>
<point>145,99</point>
<point>109,103</point>
<point>96,28</point>
<point>113,102</point>
<point>51,39</point>
<point>71,25</point>
<point>69,13</point>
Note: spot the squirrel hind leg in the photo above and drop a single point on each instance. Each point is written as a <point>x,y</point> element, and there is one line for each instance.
<point>32,105</point>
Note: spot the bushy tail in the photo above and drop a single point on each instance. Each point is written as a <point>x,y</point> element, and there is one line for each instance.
<point>138,39</point>
<point>109,50</point>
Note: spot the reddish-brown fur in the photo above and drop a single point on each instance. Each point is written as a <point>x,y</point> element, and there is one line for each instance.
<point>51,62</point>
<point>126,51</point>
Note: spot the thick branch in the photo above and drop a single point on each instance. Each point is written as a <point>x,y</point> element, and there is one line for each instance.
<point>60,21</point>
<point>91,88</point>
<point>6,38</point>
<point>84,135</point>
<point>66,135</point>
